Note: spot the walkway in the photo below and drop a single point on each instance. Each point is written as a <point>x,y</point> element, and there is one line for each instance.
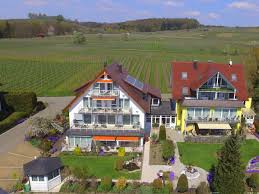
<point>14,152</point>
<point>149,172</point>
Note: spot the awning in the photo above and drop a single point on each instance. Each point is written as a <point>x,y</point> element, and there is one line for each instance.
<point>104,138</point>
<point>127,138</point>
<point>104,97</point>
<point>213,126</point>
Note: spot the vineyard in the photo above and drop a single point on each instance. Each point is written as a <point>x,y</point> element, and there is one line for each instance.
<point>55,66</point>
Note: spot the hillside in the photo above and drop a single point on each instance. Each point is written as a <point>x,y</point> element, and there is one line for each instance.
<point>144,25</point>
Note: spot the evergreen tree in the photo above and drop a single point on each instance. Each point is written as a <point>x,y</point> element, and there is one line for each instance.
<point>229,173</point>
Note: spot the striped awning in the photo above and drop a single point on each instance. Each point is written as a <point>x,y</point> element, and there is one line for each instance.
<point>214,126</point>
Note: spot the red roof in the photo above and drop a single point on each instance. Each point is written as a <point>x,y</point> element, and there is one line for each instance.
<point>198,74</point>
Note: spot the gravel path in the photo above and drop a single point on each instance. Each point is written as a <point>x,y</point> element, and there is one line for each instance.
<point>149,172</point>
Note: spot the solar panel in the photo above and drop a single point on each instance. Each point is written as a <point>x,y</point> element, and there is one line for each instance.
<point>136,83</point>
<point>131,80</point>
<point>139,85</point>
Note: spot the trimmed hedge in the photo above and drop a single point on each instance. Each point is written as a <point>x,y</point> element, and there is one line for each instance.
<point>11,121</point>
<point>21,101</point>
<point>162,133</point>
<point>168,149</point>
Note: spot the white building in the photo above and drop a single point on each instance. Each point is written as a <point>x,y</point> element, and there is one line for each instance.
<point>43,173</point>
<point>114,109</point>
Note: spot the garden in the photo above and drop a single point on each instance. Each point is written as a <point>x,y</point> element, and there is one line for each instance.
<point>205,155</point>
<point>107,164</point>
<point>45,133</point>
<point>161,150</point>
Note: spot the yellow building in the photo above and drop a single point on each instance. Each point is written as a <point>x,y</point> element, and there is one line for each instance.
<point>211,98</point>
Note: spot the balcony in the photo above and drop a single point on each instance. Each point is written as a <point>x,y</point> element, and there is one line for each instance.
<point>81,125</point>
<point>232,120</point>
<point>107,110</point>
<point>104,93</point>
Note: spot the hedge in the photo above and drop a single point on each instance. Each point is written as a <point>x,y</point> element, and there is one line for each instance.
<point>162,133</point>
<point>11,121</point>
<point>21,101</point>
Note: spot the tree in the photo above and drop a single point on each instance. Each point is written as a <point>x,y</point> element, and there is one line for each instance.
<point>60,18</point>
<point>162,133</point>
<point>40,126</point>
<point>229,172</point>
<point>203,188</point>
<point>182,184</point>
<point>168,149</point>
<point>78,37</point>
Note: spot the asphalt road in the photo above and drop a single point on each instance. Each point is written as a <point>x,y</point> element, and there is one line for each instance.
<point>10,139</point>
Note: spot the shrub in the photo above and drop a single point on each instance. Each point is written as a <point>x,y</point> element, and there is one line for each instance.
<point>52,132</point>
<point>121,184</point>
<point>11,120</point>
<point>21,101</point>
<point>203,188</point>
<point>168,149</point>
<point>253,180</point>
<point>77,151</point>
<point>45,145</point>
<point>39,106</point>
<point>106,184</point>
<point>155,125</point>
<point>182,184</point>
<point>162,133</point>
<point>121,152</point>
<point>157,184</point>
<point>79,38</point>
<point>35,142</point>
<point>119,164</point>
<point>153,137</point>
<point>81,172</point>
<point>170,186</point>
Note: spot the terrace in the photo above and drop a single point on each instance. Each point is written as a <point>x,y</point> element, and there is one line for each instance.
<point>104,93</point>
<point>207,119</point>
<point>112,110</point>
<point>81,125</point>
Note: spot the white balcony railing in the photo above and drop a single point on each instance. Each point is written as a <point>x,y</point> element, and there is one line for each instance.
<point>105,110</point>
<point>82,125</point>
<point>103,93</point>
<point>234,119</point>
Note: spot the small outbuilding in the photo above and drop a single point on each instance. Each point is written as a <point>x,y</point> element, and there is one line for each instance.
<point>43,173</point>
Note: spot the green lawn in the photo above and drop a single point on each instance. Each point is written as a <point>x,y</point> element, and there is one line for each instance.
<point>100,166</point>
<point>205,155</point>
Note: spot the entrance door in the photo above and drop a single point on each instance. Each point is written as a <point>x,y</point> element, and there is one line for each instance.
<point>167,122</point>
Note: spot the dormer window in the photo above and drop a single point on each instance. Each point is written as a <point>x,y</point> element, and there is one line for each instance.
<point>234,77</point>
<point>155,101</point>
<point>184,75</point>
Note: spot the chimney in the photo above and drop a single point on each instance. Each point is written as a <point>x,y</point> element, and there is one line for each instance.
<point>195,64</point>
<point>120,68</point>
<point>230,63</point>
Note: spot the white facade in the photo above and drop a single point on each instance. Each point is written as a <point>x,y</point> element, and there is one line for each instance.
<point>43,184</point>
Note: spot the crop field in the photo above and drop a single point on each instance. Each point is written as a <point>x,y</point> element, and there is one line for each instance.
<point>55,66</point>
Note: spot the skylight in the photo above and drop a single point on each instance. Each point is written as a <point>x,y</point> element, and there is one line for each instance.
<point>134,82</point>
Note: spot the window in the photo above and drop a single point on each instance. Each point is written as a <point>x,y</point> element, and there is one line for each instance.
<point>111,119</point>
<point>135,119</point>
<point>99,103</point>
<point>102,119</point>
<point>34,178</point>
<point>126,103</point>
<point>87,118</point>
<point>234,77</point>
<point>96,86</point>
<point>184,75</point>
<point>126,119</point>
<point>119,120</point>
<point>86,101</point>
<point>41,178</point>
<point>185,91</point>
<point>155,101</point>
<point>53,174</point>
<point>71,141</point>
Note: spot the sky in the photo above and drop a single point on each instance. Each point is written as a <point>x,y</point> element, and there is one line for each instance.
<point>209,12</point>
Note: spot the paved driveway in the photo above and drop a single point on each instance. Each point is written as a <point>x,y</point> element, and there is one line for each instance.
<point>14,152</point>
<point>15,136</point>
